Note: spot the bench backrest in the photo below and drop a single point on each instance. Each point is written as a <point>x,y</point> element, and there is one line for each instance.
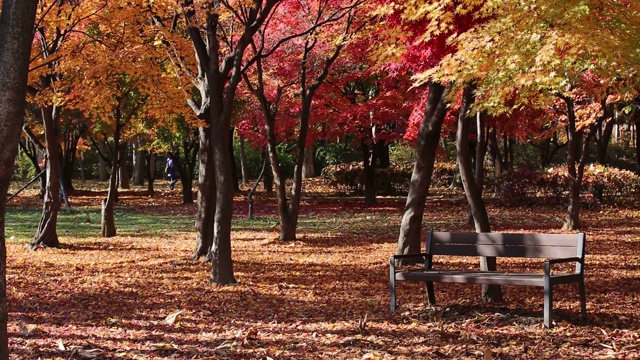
<point>506,245</point>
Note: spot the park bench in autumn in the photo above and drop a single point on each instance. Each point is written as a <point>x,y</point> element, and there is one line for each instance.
<point>556,248</point>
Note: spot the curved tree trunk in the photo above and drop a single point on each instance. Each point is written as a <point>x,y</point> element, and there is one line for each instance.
<point>16,32</point>
<point>490,293</point>
<point>46,234</point>
<point>206,197</point>
<point>426,146</point>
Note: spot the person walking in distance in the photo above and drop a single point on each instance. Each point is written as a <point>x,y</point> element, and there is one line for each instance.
<point>171,171</point>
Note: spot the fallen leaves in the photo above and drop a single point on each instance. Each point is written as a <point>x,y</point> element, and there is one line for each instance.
<point>322,297</point>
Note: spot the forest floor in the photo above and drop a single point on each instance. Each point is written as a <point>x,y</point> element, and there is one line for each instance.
<point>325,296</point>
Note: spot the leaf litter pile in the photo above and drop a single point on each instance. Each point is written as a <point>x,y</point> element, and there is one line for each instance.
<point>324,296</point>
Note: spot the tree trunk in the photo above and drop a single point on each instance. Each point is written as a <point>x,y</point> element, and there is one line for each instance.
<point>33,149</point>
<point>243,162</point>
<point>234,169</point>
<point>604,139</point>
<point>46,234</point>
<point>572,219</point>
<point>107,222</point>
<point>186,167</point>
<point>206,197</point>
<point>68,156</point>
<point>268,175</point>
<point>220,252</point>
<point>490,293</point>
<point>369,162</point>
<point>308,168</point>
<point>16,33</point>
<point>287,226</point>
<point>102,163</point>
<point>150,158</point>
<point>637,144</point>
<point>138,164</point>
<point>123,170</point>
<point>426,146</point>
<point>382,154</point>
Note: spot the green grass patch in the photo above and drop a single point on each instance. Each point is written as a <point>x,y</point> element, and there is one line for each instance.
<point>21,223</point>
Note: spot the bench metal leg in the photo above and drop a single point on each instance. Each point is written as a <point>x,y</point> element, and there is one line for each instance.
<point>392,289</point>
<point>548,303</point>
<point>583,300</point>
<point>431,293</point>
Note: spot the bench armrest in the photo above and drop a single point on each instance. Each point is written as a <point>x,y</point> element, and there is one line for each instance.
<point>393,258</point>
<point>549,262</point>
<point>406,256</point>
<point>563,260</point>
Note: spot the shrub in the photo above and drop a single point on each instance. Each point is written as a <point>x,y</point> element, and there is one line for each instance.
<point>23,169</point>
<point>349,178</point>
<point>444,174</point>
<point>517,187</point>
<point>604,184</point>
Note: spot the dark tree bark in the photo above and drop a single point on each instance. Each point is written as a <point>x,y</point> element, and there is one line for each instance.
<point>495,153</point>
<point>234,169</point>
<point>490,293</point>
<point>68,155</point>
<point>267,180</point>
<point>382,154</point>
<point>220,251</point>
<point>107,221</point>
<point>102,163</point>
<point>137,176</point>
<point>426,146</point>
<point>369,162</point>
<point>46,234</point>
<point>636,122</point>
<point>206,197</point>
<point>150,159</point>
<point>308,168</point>
<point>186,167</point>
<point>16,34</point>
<point>123,170</point>
<point>243,162</point>
<point>604,134</point>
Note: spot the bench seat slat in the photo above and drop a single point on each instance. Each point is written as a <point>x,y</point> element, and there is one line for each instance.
<point>555,240</point>
<point>483,277</point>
<point>503,250</point>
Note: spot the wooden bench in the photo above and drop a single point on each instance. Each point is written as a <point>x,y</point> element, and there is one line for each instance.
<point>557,248</point>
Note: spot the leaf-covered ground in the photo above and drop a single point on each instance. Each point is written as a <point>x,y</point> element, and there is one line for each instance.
<point>325,296</point>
